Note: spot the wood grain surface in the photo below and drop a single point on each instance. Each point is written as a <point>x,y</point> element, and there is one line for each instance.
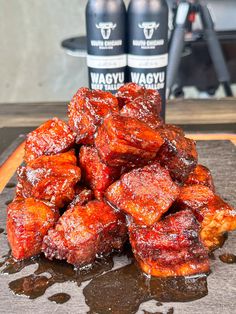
<point>177,112</point>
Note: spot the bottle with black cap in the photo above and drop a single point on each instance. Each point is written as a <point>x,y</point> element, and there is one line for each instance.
<point>147,44</point>
<point>106,58</point>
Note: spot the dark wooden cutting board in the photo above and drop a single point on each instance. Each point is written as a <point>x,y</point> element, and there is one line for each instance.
<point>220,157</point>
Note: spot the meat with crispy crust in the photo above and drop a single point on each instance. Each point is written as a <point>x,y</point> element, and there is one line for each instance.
<point>144,193</point>
<point>126,141</point>
<point>171,247</point>
<point>52,137</point>
<point>95,173</point>
<point>178,154</point>
<point>86,232</point>
<point>87,110</point>
<point>28,221</point>
<point>215,215</point>
<point>129,92</point>
<point>218,217</point>
<point>83,195</point>
<point>142,110</point>
<point>201,175</point>
<point>50,178</point>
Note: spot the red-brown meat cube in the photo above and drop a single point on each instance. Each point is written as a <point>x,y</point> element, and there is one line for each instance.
<point>142,110</point>
<point>131,91</point>
<point>178,155</point>
<point>171,247</point>
<point>215,216</point>
<point>28,221</point>
<point>50,178</point>
<point>123,141</point>
<point>194,197</point>
<point>201,175</point>
<point>84,233</point>
<point>94,172</point>
<point>87,110</point>
<point>144,193</point>
<point>52,137</point>
<point>82,196</point>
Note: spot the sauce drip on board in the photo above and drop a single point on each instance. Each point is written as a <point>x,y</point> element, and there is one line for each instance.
<point>121,290</point>
<point>124,289</point>
<point>228,258</point>
<point>59,298</point>
<point>10,185</point>
<point>8,202</point>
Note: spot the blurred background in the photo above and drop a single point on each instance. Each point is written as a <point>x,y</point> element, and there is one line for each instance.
<point>35,68</point>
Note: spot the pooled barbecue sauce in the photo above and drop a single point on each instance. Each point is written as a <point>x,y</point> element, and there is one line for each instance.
<point>120,291</point>
<point>228,258</point>
<point>59,298</point>
<point>10,185</point>
<point>35,285</point>
<point>8,202</point>
<point>124,289</point>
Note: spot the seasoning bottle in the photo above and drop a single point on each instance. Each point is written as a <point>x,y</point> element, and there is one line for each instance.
<point>106,57</point>
<point>148,44</point>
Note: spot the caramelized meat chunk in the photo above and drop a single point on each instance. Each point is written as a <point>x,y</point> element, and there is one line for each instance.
<point>95,173</point>
<point>124,140</point>
<point>194,197</point>
<point>52,137</point>
<point>50,178</point>
<point>142,110</point>
<point>87,110</point>
<point>144,193</point>
<point>82,196</point>
<point>28,221</point>
<point>215,215</point>
<point>218,217</point>
<point>178,155</point>
<point>85,232</point>
<point>148,98</point>
<point>201,175</point>
<point>128,92</point>
<point>171,247</point>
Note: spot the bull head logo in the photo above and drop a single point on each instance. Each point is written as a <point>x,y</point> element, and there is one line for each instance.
<point>106,29</point>
<point>148,28</point>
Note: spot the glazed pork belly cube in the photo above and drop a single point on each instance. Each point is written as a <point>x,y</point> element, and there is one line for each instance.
<point>217,219</point>
<point>52,137</point>
<point>123,141</point>
<point>50,178</point>
<point>144,193</point>
<point>129,92</point>
<point>194,197</point>
<point>95,173</point>
<point>28,221</point>
<point>87,110</point>
<point>142,110</point>
<point>201,175</point>
<point>84,233</point>
<point>215,216</point>
<point>178,155</point>
<point>171,247</point>
<point>83,195</point>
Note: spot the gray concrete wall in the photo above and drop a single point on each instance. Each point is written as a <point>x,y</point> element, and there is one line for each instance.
<point>33,66</point>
